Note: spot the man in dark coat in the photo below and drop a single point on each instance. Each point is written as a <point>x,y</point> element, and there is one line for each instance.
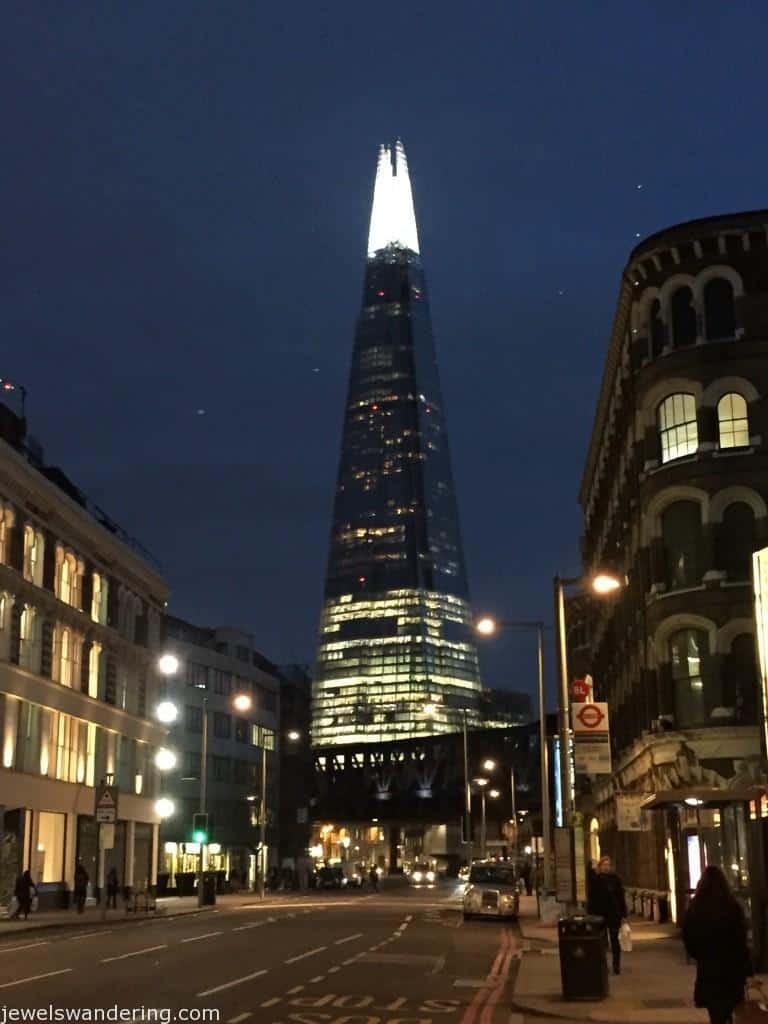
<point>23,893</point>
<point>606,899</point>
<point>81,886</point>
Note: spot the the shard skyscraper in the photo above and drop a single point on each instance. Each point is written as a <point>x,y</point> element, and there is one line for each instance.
<point>396,656</point>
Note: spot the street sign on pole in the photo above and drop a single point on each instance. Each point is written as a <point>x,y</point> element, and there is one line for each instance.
<point>105,807</point>
<point>591,739</point>
<point>107,837</point>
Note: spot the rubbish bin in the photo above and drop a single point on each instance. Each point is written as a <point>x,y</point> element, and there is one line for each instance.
<point>583,963</point>
<point>209,889</point>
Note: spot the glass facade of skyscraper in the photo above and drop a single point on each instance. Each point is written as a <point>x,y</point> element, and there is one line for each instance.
<point>396,631</point>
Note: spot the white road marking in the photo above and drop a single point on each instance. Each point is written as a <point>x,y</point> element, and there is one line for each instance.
<point>303,956</point>
<point>349,938</point>
<point>197,938</point>
<point>231,984</point>
<point>29,945</point>
<point>314,981</point>
<point>245,927</point>
<point>351,960</point>
<point>333,970</point>
<point>88,935</point>
<point>36,977</point>
<point>136,952</point>
<point>409,917</point>
<point>270,1002</point>
<point>294,990</point>
<point>241,1016</point>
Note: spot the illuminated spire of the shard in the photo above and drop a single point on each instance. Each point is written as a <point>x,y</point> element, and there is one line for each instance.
<point>393,221</point>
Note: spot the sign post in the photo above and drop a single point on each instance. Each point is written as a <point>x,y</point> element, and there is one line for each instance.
<point>105,813</point>
<point>591,739</point>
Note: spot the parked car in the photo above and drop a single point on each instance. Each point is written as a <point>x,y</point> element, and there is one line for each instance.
<point>330,878</point>
<point>491,891</point>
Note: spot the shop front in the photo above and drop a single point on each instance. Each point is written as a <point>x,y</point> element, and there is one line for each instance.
<point>720,827</point>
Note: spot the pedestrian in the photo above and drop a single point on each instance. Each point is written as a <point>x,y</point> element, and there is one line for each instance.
<point>112,887</point>
<point>23,893</point>
<point>373,878</point>
<point>81,886</point>
<point>605,898</point>
<point>715,936</point>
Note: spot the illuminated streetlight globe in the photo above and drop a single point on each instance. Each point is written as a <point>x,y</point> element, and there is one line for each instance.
<point>294,735</point>
<point>486,626</point>
<point>605,583</point>
<point>165,759</point>
<point>242,702</point>
<point>168,664</point>
<point>494,793</point>
<point>489,765</point>
<point>166,712</point>
<point>346,842</point>
<point>481,782</point>
<point>165,807</point>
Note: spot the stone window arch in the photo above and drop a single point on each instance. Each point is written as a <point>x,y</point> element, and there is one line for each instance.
<point>683,539</point>
<point>741,693</point>
<point>719,309</point>
<point>696,691</point>
<point>736,541</point>
<point>682,317</point>
<point>7,520</point>
<point>656,330</point>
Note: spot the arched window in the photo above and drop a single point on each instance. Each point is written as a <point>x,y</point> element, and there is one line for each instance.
<point>736,541</point>
<point>678,430</point>
<point>683,316</point>
<point>733,421</point>
<point>689,654</point>
<point>656,328</point>
<point>682,533</point>
<point>719,313</point>
<point>741,686</point>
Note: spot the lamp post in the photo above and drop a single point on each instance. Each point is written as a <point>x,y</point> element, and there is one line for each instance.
<point>430,710</point>
<point>487,627</point>
<point>601,584</point>
<point>493,794</point>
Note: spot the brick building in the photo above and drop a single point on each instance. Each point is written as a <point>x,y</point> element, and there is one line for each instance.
<point>675,496</point>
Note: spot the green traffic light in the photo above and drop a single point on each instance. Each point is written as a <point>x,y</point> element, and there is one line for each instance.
<point>200,837</point>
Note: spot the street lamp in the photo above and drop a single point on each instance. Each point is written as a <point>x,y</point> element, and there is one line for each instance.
<point>168,664</point>
<point>489,765</point>
<point>481,783</point>
<point>164,807</point>
<point>600,584</point>
<point>165,759</point>
<point>430,710</point>
<point>293,735</point>
<point>242,702</point>
<point>487,626</point>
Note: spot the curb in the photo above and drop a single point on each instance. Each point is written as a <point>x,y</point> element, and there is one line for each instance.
<point>61,925</point>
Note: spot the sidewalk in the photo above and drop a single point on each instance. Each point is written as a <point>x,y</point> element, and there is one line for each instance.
<point>167,907</point>
<point>655,984</point>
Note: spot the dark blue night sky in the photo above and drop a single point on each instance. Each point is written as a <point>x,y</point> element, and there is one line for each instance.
<point>186,190</point>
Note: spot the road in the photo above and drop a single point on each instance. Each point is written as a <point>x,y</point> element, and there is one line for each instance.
<point>399,957</point>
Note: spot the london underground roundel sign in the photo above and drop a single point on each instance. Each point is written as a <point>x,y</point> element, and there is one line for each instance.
<point>590,716</point>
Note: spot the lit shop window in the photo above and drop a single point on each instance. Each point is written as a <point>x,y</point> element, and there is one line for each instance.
<point>100,598</point>
<point>67,649</point>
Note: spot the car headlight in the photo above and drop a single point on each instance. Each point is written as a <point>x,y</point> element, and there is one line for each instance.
<point>416,876</point>
<point>430,876</point>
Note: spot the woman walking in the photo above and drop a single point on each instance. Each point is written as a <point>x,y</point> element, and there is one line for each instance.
<point>715,936</point>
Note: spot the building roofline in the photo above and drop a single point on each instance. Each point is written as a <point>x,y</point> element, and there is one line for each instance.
<point>694,226</point>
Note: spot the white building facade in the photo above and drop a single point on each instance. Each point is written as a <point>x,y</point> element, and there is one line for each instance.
<point>80,613</point>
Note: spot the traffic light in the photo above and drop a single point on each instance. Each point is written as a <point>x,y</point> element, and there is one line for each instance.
<point>200,828</point>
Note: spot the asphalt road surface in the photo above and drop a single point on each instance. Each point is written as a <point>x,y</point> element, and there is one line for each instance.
<point>400,957</point>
